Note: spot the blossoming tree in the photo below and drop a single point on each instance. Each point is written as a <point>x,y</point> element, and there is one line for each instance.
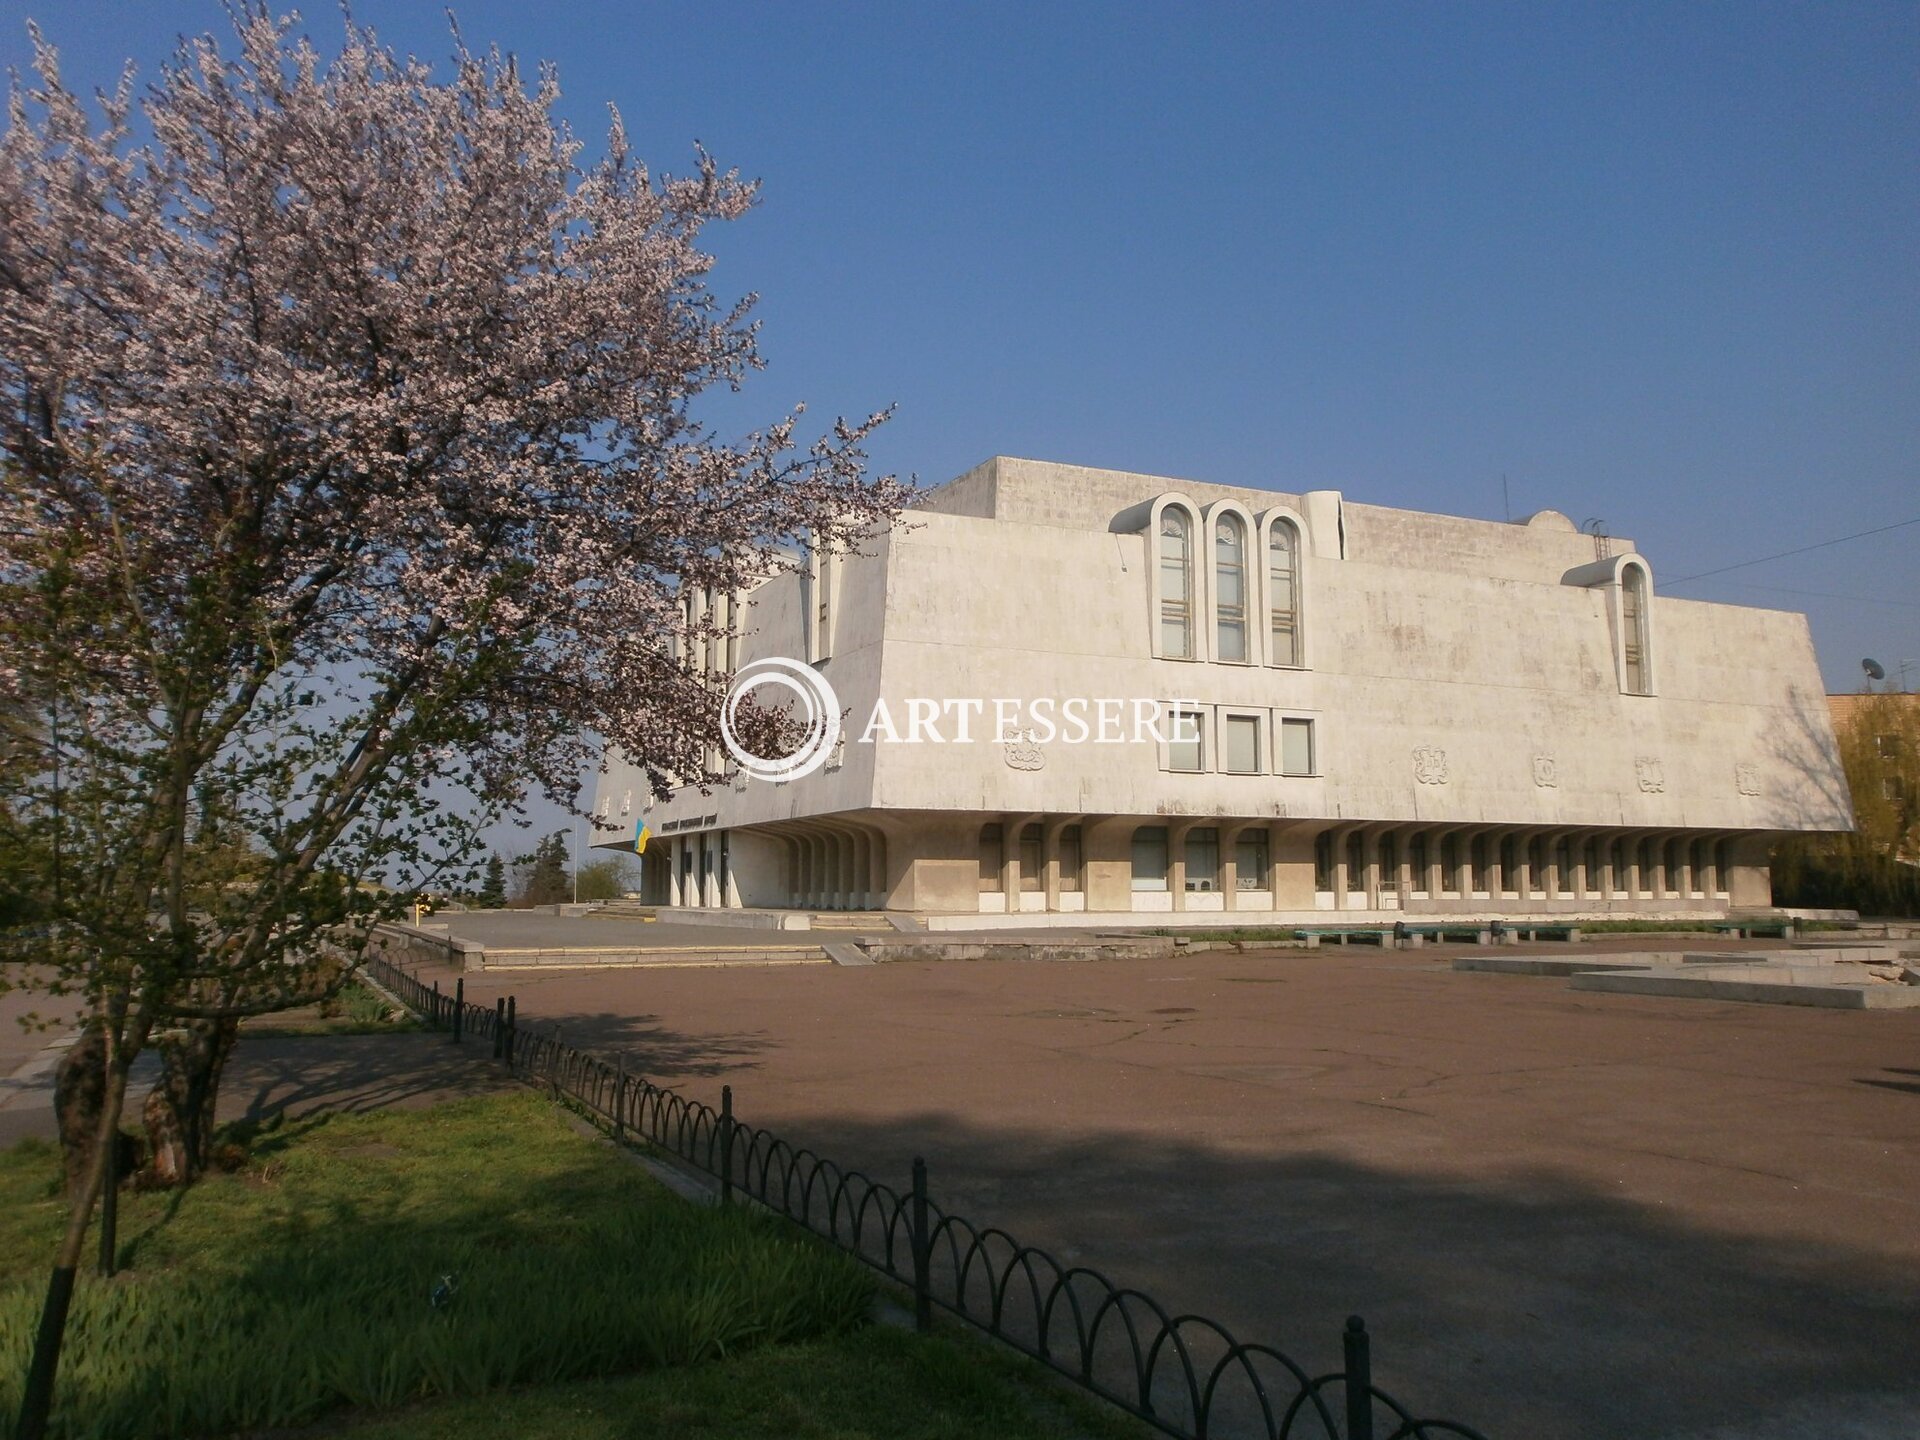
<point>352,466</point>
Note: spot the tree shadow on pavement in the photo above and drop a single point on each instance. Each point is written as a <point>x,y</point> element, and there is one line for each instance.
<point>1530,1307</point>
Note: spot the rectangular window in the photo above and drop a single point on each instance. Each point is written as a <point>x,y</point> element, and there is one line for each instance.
<point>1417,863</point>
<point>1250,861</point>
<point>1323,862</point>
<point>1241,744</point>
<point>1296,747</point>
<point>1450,864</point>
<point>1150,857</point>
<point>1356,864</point>
<point>1186,750</point>
<point>1070,858</point>
<point>1203,859</point>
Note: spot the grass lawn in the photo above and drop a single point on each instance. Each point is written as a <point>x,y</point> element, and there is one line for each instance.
<point>302,1285</point>
<point>871,1384</point>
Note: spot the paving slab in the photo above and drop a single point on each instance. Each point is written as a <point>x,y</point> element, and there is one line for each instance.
<point>1833,987</point>
<point>1563,1214</point>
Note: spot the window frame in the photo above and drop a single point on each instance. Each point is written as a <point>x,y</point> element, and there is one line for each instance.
<point>1252,836</point>
<point>1187,877</point>
<point>1283,720</point>
<point>1165,884</point>
<point>1196,609</point>
<point>1228,716</point>
<point>1270,520</point>
<point>1202,741</point>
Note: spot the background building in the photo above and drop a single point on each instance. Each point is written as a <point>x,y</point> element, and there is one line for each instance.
<point>1397,713</point>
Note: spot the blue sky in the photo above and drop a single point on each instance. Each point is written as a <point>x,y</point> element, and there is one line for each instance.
<point>1653,264</point>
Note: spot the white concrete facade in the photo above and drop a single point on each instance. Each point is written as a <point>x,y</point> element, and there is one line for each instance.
<point>1401,714</point>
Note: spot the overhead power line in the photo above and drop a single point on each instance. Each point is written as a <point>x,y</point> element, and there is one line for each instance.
<point>1828,595</point>
<point>1798,550</point>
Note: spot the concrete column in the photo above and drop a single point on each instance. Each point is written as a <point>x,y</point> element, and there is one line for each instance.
<point>1230,864</point>
<point>877,869</point>
<point>1050,832</point>
<point>1177,861</point>
<point>1435,880</point>
<point>1524,880</point>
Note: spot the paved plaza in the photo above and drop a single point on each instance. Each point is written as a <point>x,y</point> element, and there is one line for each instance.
<point>1562,1214</point>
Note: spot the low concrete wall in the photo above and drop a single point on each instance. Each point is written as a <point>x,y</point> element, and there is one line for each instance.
<point>399,942</point>
<point>635,956</point>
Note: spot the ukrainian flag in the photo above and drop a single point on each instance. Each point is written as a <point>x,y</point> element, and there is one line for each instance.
<point>640,837</point>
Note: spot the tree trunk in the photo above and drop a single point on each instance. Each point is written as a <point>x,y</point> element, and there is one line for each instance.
<point>79,1097</point>
<point>179,1109</point>
<point>36,1403</point>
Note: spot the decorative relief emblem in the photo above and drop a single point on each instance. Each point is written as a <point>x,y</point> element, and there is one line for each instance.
<point>1024,753</point>
<point>1430,765</point>
<point>1746,778</point>
<point>1652,778</point>
<point>1546,772</point>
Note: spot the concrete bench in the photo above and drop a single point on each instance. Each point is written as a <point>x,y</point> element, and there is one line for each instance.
<point>1465,934</point>
<point>1753,929</point>
<point>1345,934</point>
<point>1517,932</point>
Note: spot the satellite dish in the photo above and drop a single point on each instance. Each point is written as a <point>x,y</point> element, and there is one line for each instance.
<point>1875,670</point>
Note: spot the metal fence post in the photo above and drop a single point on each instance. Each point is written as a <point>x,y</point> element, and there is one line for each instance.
<point>499,1027</point>
<point>1359,1371</point>
<point>922,1251</point>
<point>513,1026</point>
<point>726,1144</point>
<point>620,1099</point>
<point>434,1009</point>
<point>459,1006</point>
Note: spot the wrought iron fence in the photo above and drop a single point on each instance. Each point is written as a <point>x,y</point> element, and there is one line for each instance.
<point>1183,1374</point>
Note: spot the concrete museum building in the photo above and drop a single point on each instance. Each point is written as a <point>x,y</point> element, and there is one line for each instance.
<point>1384,713</point>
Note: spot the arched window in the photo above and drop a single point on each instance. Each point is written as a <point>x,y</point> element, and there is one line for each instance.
<point>1633,625</point>
<point>1230,589</point>
<point>1176,584</point>
<point>1283,593</point>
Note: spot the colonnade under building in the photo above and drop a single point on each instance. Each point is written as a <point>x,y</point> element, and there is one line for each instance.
<point>1014,864</point>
